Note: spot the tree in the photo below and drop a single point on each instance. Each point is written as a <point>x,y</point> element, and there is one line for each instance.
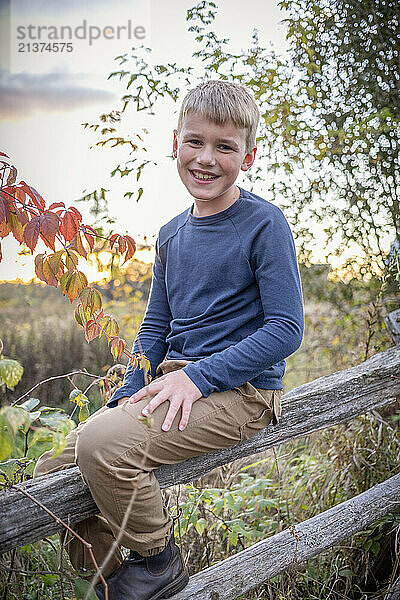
<point>347,56</point>
<point>328,137</point>
<point>330,119</point>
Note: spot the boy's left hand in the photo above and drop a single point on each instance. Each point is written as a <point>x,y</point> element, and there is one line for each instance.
<point>178,389</point>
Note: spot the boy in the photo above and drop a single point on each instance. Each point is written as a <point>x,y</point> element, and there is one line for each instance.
<point>225,310</point>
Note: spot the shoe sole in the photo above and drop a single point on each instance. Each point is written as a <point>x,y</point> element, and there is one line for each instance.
<point>173,588</point>
<point>170,590</point>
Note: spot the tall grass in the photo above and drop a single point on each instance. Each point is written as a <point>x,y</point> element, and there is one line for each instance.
<point>240,504</point>
<point>38,329</point>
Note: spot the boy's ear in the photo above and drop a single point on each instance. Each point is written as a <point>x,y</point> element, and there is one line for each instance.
<point>248,159</point>
<point>175,144</point>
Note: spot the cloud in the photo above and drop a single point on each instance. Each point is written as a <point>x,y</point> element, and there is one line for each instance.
<point>24,94</point>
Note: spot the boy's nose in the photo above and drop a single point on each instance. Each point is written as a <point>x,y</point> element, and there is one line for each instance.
<point>206,156</point>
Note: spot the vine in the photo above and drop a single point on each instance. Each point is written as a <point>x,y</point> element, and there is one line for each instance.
<point>25,215</point>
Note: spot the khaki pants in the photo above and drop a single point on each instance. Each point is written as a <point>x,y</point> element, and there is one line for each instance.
<point>117,453</point>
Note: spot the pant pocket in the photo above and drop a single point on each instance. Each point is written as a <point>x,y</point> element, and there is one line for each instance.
<point>256,424</point>
<point>257,410</point>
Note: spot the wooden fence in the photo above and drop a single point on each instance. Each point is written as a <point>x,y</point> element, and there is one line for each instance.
<point>323,403</point>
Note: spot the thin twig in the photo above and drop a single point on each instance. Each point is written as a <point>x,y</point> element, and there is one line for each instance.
<point>27,573</point>
<point>52,379</point>
<point>61,522</point>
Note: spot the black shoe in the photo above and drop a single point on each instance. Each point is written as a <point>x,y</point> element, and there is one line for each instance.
<point>138,578</point>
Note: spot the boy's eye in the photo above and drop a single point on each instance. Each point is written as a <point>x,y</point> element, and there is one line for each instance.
<point>225,147</point>
<point>196,142</point>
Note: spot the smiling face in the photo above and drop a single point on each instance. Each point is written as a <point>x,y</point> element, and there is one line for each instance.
<point>210,157</point>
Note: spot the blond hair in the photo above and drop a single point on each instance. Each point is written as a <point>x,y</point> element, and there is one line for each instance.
<point>221,101</point>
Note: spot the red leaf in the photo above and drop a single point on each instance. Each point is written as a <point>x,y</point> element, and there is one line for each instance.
<point>89,234</point>
<point>48,272</point>
<point>4,207</point>
<point>22,216</point>
<point>92,330</point>
<point>77,244</point>
<point>16,227</point>
<point>113,239</point>
<point>52,268</point>
<point>31,233</point>
<point>19,194</point>
<point>1,254</point>
<point>49,226</point>
<point>56,205</point>
<point>69,226</point>
<point>90,240</point>
<point>117,347</point>
<point>121,245</point>
<point>131,247</point>
<point>34,195</point>
<point>56,263</point>
<point>5,229</point>
<point>11,176</point>
<point>39,267</point>
<point>76,212</point>
<point>72,284</point>
<point>125,244</point>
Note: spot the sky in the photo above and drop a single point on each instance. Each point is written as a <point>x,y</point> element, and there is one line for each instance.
<point>46,96</point>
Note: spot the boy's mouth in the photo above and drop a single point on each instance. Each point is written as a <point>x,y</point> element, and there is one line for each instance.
<point>203,177</point>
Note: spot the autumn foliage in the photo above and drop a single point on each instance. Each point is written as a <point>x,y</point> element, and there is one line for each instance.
<point>24,214</point>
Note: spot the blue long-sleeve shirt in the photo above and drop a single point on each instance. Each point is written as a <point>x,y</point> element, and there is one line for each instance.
<point>226,295</point>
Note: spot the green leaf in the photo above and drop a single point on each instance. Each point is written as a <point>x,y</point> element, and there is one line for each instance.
<point>200,525</point>
<point>41,435</point>
<point>10,372</point>
<point>13,470</point>
<point>81,589</point>
<point>52,417</point>
<point>14,418</point>
<point>78,397</point>
<point>59,443</point>
<point>145,364</point>
<point>6,444</point>
<point>49,579</point>
<point>38,449</point>
<point>375,547</point>
<point>233,538</point>
<point>30,404</point>
<point>84,413</point>
<point>35,414</point>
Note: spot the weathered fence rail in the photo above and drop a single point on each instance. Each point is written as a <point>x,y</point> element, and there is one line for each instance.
<point>325,402</point>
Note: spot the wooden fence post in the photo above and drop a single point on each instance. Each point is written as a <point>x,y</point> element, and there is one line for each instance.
<point>392,321</point>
